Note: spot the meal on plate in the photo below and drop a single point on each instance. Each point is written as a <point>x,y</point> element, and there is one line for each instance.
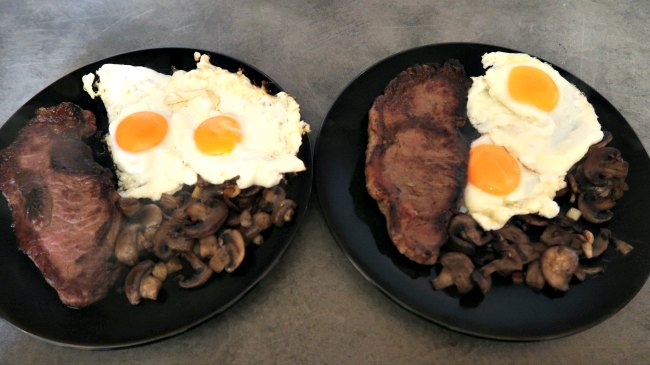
<point>523,200</point>
<point>200,158</point>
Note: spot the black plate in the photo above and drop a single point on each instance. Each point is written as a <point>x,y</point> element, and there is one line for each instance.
<point>30,304</point>
<point>508,312</point>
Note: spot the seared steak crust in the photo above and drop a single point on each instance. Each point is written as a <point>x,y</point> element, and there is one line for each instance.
<point>63,203</point>
<point>416,160</point>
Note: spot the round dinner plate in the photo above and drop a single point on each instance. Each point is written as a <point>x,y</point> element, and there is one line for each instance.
<point>508,311</point>
<point>30,304</point>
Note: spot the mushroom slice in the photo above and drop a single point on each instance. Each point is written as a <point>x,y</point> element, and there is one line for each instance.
<point>168,229</point>
<point>219,260</point>
<point>129,206</point>
<point>604,164</point>
<point>457,270</point>
<point>555,234</point>
<point>465,234</point>
<point>160,271</point>
<point>529,251</point>
<point>534,276</point>
<point>517,277</point>
<point>534,220</point>
<point>201,272</point>
<point>595,209</point>
<point>283,212</point>
<point>208,219</point>
<point>271,197</point>
<point>208,246</point>
<point>513,234</point>
<point>258,240</point>
<point>601,242</point>
<point>510,260</point>
<point>173,265</point>
<point>559,263</point>
<point>127,250</point>
<point>260,222</point>
<point>150,217</point>
<point>582,272</point>
<point>622,246</point>
<point>169,202</point>
<point>483,282</point>
<point>134,278</point>
<point>149,287</point>
<point>180,243</point>
<point>233,243</point>
<point>246,198</point>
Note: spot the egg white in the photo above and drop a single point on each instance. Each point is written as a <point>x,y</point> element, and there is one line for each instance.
<point>270,124</point>
<point>125,90</point>
<point>545,142</point>
<point>534,194</point>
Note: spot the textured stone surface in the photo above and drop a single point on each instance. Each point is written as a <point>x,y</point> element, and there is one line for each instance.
<point>314,307</point>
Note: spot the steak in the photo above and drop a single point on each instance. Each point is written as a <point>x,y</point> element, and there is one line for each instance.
<point>416,160</point>
<point>63,203</point>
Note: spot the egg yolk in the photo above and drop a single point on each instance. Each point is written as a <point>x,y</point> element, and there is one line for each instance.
<point>141,131</point>
<point>533,86</point>
<point>492,169</point>
<point>218,135</point>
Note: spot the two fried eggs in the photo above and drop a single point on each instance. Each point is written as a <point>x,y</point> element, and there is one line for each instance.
<point>165,131</point>
<point>534,126</point>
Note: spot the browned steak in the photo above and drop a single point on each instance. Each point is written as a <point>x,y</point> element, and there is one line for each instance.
<point>63,203</point>
<point>416,159</point>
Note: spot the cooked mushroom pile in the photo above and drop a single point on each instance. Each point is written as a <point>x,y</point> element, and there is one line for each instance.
<point>206,228</point>
<point>537,251</point>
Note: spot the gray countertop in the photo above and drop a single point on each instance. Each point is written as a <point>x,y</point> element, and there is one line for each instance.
<point>314,307</point>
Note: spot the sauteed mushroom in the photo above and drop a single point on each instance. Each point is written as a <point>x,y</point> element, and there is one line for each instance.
<point>603,165</point>
<point>167,230</point>
<point>457,270</point>
<point>283,212</point>
<point>271,197</point>
<point>201,272</point>
<point>129,206</point>
<point>534,276</point>
<point>233,243</point>
<point>207,219</point>
<point>137,235</point>
<point>133,280</point>
<point>601,241</point>
<point>509,261</point>
<point>190,225</point>
<point>465,234</point>
<point>559,263</point>
<point>127,250</point>
<point>594,209</point>
<point>260,222</point>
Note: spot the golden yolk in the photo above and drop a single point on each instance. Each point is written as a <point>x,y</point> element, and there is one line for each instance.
<point>141,131</point>
<point>492,169</point>
<point>533,86</point>
<point>218,135</point>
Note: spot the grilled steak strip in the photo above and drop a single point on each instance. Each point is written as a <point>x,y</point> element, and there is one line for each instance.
<point>63,203</point>
<point>416,160</point>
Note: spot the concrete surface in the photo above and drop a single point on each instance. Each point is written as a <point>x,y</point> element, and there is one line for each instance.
<point>315,307</point>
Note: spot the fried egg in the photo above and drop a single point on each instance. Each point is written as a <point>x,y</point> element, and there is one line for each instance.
<point>224,126</point>
<point>526,106</point>
<point>500,187</point>
<point>165,131</point>
<point>535,126</point>
<point>139,132</point>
